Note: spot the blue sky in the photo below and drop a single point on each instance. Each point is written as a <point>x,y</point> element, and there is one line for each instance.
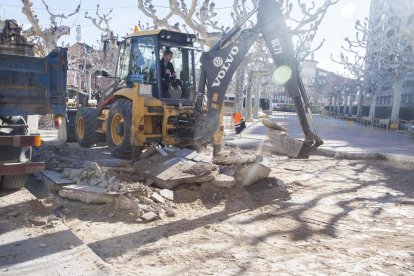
<point>338,23</point>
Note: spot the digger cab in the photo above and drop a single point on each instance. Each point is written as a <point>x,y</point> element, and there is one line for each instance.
<point>140,62</point>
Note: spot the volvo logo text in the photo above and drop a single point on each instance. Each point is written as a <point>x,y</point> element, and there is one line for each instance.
<point>226,66</point>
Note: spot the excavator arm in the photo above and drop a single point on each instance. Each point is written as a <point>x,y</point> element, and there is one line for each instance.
<point>219,64</point>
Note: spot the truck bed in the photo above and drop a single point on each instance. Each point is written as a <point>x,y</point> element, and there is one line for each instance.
<point>33,85</point>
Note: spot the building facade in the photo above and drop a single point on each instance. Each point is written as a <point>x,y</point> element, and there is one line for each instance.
<point>390,60</point>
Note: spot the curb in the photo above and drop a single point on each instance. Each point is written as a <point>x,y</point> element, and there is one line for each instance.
<point>370,155</point>
<point>348,155</point>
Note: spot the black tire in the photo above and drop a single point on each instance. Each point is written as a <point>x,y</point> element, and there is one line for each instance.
<point>86,125</point>
<point>14,182</point>
<point>70,125</point>
<point>118,128</point>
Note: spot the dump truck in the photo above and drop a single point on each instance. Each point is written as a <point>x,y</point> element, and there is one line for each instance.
<point>28,86</point>
<point>142,106</point>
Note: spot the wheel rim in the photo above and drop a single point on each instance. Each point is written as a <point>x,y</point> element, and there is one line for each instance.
<point>80,127</point>
<point>116,124</point>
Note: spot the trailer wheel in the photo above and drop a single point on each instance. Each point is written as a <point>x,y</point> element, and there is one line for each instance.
<point>118,128</point>
<point>85,127</point>
<point>14,182</point>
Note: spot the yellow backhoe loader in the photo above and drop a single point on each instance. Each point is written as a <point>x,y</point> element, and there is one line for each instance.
<point>142,106</point>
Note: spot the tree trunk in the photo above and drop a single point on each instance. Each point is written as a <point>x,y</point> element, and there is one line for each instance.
<point>396,101</point>
<point>351,106</point>
<point>249,97</point>
<point>256,98</point>
<point>360,101</point>
<point>338,105</point>
<point>239,95</point>
<point>330,105</point>
<point>372,107</point>
<point>346,100</point>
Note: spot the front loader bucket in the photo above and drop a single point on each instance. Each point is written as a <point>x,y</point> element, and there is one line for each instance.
<point>289,146</point>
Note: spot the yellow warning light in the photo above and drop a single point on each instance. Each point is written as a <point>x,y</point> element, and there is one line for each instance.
<point>136,29</point>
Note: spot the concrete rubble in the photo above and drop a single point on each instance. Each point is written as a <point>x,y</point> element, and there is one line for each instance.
<point>158,172</point>
<point>281,141</point>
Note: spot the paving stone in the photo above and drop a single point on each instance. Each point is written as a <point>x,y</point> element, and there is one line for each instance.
<point>157,197</point>
<point>86,193</point>
<point>168,194</point>
<point>249,174</point>
<point>149,216</point>
<point>225,181</point>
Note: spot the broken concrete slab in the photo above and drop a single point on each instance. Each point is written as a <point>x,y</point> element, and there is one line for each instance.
<point>230,158</point>
<point>224,181</point>
<point>168,194</point>
<point>285,144</point>
<point>151,150</point>
<point>86,193</point>
<point>149,216</point>
<point>168,172</point>
<point>53,181</point>
<point>157,197</point>
<point>272,125</point>
<point>249,174</point>
<point>201,168</point>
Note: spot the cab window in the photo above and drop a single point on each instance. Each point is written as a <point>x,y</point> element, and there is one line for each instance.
<point>143,60</point>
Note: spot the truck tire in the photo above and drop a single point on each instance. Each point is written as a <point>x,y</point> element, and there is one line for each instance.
<point>14,182</point>
<point>118,128</point>
<point>86,126</point>
<point>70,125</point>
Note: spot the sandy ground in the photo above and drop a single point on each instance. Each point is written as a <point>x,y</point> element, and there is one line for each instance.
<point>330,216</point>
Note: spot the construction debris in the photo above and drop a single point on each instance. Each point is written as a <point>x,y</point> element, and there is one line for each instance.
<point>232,158</point>
<point>273,125</point>
<point>168,194</point>
<point>150,196</point>
<point>157,197</point>
<point>250,173</point>
<point>180,166</point>
<point>224,181</point>
<point>87,194</point>
<point>150,216</point>
<point>282,142</point>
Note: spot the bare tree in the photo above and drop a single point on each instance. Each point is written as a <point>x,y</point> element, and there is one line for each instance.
<point>45,39</point>
<point>203,19</point>
<point>109,40</point>
<point>377,57</point>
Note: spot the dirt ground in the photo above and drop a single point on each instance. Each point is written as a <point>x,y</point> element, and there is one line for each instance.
<point>315,216</point>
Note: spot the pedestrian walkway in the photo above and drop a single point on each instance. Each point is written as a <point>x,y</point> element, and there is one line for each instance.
<point>338,135</point>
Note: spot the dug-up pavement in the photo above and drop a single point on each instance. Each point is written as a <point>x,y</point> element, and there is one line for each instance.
<point>316,216</point>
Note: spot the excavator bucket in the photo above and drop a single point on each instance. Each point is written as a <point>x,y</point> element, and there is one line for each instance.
<point>287,145</point>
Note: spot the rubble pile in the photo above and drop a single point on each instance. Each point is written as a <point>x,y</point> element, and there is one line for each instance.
<point>184,166</point>
<point>94,184</point>
<point>146,189</point>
